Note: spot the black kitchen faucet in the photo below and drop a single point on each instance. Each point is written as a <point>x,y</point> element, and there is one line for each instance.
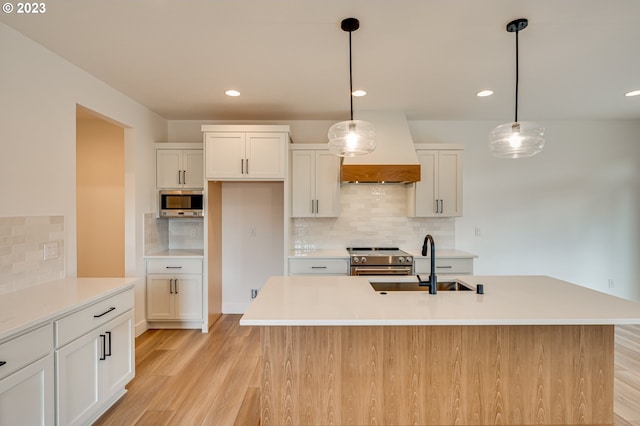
<point>432,276</point>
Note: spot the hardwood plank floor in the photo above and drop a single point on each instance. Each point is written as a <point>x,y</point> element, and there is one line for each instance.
<point>184,377</point>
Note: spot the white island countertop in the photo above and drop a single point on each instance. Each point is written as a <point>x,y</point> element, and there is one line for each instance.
<point>508,300</point>
<point>20,310</point>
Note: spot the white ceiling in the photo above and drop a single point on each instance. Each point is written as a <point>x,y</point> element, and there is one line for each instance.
<point>290,58</point>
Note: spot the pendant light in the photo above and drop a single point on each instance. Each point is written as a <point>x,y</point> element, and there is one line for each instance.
<point>521,138</point>
<point>353,137</point>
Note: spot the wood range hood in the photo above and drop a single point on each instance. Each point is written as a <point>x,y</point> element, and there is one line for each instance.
<point>394,159</point>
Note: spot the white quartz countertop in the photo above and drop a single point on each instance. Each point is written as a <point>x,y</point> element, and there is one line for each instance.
<point>508,300</point>
<point>195,253</point>
<point>325,253</point>
<point>23,309</point>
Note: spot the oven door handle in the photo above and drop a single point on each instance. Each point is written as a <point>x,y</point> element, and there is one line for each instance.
<point>381,271</point>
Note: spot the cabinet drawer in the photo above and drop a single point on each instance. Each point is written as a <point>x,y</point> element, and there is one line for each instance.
<point>85,320</point>
<point>319,266</point>
<point>445,266</point>
<point>174,266</point>
<point>25,349</point>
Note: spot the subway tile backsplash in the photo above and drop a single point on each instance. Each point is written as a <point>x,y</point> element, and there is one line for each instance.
<point>372,215</point>
<point>172,234</point>
<point>22,241</point>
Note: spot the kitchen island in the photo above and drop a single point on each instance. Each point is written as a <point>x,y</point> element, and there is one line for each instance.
<point>531,350</point>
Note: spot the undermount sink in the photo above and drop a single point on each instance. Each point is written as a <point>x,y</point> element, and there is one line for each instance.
<point>415,286</point>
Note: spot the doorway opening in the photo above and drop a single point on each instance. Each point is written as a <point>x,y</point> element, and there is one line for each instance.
<point>100,195</point>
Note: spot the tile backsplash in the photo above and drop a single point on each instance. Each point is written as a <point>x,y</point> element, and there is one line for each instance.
<point>172,234</point>
<point>22,241</point>
<point>371,215</point>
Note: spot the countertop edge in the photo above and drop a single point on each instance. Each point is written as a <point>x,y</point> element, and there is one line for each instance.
<point>65,309</point>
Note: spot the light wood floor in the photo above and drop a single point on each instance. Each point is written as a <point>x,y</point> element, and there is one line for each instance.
<point>184,377</point>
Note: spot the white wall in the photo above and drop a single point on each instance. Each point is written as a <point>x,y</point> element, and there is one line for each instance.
<point>40,91</point>
<point>572,211</point>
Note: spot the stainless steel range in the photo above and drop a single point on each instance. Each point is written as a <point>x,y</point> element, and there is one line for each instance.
<point>380,261</point>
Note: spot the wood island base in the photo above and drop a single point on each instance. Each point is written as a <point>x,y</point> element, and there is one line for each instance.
<point>437,375</point>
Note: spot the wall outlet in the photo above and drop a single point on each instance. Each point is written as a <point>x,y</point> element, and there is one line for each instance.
<point>50,250</point>
<point>252,231</point>
<point>478,232</point>
<point>611,283</point>
<point>254,293</point>
<point>193,231</point>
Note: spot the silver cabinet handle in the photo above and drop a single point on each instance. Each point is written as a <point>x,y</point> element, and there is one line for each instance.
<point>175,286</point>
<point>318,267</point>
<point>317,206</point>
<point>173,267</point>
<point>441,206</point>
<point>313,206</point>
<point>242,166</point>
<point>247,166</point>
<point>444,267</point>
<point>436,209</point>
<point>171,286</point>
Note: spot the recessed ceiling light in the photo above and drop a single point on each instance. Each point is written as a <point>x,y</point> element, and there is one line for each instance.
<point>232,93</point>
<point>358,93</point>
<point>633,93</point>
<point>484,93</point>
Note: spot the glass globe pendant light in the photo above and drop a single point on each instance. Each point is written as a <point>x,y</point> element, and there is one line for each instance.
<point>521,138</point>
<point>353,137</point>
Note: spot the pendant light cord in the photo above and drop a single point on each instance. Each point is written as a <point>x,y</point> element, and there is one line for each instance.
<point>517,77</point>
<point>350,77</point>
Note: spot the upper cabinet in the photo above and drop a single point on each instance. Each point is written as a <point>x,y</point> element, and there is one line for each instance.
<point>439,192</point>
<point>178,168</point>
<point>245,152</point>
<point>315,182</point>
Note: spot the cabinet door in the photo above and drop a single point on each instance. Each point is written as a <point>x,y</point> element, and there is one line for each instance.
<point>27,396</point>
<point>192,166</point>
<point>427,189</point>
<point>78,380</point>
<point>266,153</point>
<point>303,183</point>
<point>168,167</point>
<point>327,184</point>
<point>159,297</point>
<point>450,183</point>
<point>224,155</point>
<point>188,297</point>
<point>118,368</point>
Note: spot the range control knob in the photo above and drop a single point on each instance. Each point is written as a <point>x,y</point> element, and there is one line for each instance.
<point>356,260</point>
<point>363,259</point>
<point>409,259</point>
<point>401,259</point>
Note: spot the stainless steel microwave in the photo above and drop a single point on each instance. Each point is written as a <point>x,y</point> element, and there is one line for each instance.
<point>180,203</point>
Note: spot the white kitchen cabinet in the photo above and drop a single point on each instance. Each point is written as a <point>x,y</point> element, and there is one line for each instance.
<point>319,266</point>
<point>179,168</point>
<point>174,290</point>
<point>315,183</point>
<point>439,192</point>
<point>245,155</point>
<point>27,379</point>
<point>94,359</point>
<point>444,265</point>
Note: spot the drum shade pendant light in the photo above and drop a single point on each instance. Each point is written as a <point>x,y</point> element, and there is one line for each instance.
<point>521,138</point>
<point>353,137</point>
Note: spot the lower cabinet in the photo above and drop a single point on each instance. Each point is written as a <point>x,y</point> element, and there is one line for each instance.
<point>319,266</point>
<point>27,380</point>
<point>445,265</point>
<point>93,370</point>
<point>178,297</point>
<point>174,292</point>
<point>94,358</point>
